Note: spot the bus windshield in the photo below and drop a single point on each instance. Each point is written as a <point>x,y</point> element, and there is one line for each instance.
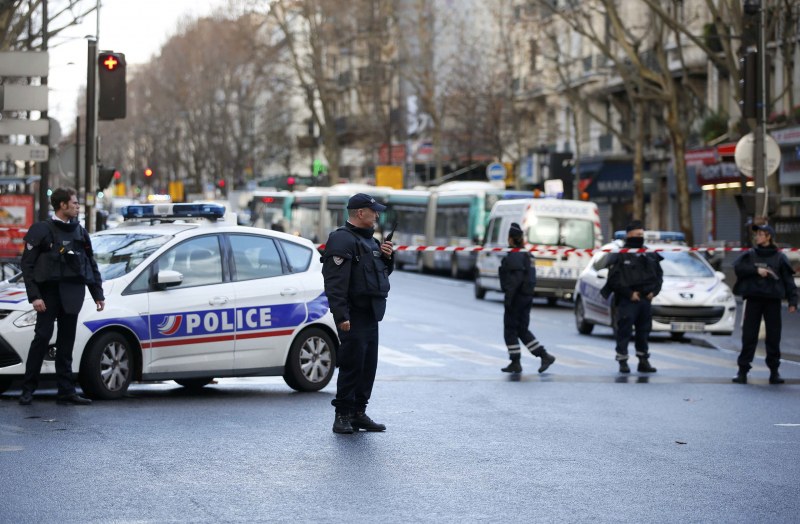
<point>568,232</point>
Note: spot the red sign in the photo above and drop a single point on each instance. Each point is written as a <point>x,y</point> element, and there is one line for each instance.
<point>701,157</point>
<point>16,216</point>
<point>398,154</point>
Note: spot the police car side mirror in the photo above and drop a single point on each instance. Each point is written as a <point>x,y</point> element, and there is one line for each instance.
<point>168,278</point>
<point>602,273</point>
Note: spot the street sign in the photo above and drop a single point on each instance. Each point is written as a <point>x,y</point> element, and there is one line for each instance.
<point>743,156</point>
<point>23,98</point>
<point>24,63</point>
<point>24,127</point>
<point>23,152</point>
<point>495,171</point>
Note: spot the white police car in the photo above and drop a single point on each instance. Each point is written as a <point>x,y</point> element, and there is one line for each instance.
<point>190,297</point>
<point>693,298</point>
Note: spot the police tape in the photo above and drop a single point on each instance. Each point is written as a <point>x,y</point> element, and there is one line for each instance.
<point>562,250</point>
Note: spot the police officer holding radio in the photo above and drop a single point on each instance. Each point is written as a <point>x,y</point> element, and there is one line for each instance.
<point>518,280</point>
<point>356,269</point>
<point>764,278</point>
<point>635,279</point>
<point>58,265</point>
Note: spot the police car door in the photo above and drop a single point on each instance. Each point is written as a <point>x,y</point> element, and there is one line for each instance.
<point>192,325</point>
<point>270,301</point>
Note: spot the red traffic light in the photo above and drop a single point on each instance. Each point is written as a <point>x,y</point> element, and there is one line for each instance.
<point>221,183</point>
<point>110,62</point>
<point>267,200</point>
<point>290,181</point>
<point>117,175</point>
<point>148,172</point>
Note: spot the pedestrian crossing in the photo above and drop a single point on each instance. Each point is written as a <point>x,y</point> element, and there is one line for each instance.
<point>575,357</point>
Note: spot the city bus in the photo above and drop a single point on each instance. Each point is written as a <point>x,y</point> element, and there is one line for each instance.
<point>271,209</point>
<point>453,214</point>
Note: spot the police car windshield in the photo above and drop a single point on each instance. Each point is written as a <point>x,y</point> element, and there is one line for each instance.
<point>120,253</point>
<point>685,264</point>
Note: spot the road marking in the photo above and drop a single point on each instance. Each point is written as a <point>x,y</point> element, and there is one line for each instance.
<point>5,449</point>
<point>398,358</point>
<point>787,425</point>
<point>460,353</point>
<point>675,353</point>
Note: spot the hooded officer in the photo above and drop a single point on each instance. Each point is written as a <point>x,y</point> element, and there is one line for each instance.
<point>764,278</point>
<point>635,279</point>
<point>356,269</point>
<point>518,280</point>
<point>58,265</point>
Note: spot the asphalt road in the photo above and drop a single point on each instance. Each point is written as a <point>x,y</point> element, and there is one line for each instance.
<point>464,441</point>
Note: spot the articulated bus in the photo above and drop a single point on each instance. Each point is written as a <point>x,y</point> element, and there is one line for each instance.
<point>271,209</point>
<point>453,214</point>
<point>319,210</point>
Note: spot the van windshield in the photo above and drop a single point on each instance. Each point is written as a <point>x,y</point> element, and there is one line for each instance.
<point>568,232</point>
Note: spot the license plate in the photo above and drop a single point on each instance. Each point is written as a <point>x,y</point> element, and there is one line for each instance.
<point>543,263</point>
<point>688,326</point>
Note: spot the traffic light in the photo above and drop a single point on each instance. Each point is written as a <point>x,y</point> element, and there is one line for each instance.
<point>749,84</point>
<point>148,173</point>
<point>105,175</point>
<point>290,182</point>
<point>113,86</point>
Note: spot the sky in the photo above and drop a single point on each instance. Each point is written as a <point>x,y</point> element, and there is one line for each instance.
<point>137,28</point>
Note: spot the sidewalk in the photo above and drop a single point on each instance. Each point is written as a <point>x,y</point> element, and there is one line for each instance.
<point>790,336</point>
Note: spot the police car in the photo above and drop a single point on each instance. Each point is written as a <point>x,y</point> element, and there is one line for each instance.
<point>190,296</point>
<point>693,298</point>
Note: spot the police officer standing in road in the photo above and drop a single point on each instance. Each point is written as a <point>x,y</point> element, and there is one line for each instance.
<point>58,265</point>
<point>635,279</point>
<point>764,277</point>
<point>518,280</point>
<point>356,268</point>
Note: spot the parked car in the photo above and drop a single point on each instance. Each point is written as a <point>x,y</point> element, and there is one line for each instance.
<point>693,298</point>
<point>190,296</point>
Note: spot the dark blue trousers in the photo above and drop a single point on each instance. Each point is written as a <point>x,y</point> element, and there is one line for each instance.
<point>65,340</point>
<point>358,362</point>
<point>754,310</point>
<point>632,315</point>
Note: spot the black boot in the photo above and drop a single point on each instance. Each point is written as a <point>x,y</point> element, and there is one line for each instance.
<point>26,398</point>
<point>361,421</point>
<point>547,361</point>
<point>623,366</point>
<point>775,378</point>
<point>513,367</point>
<point>644,366</point>
<point>341,424</point>
<point>741,377</point>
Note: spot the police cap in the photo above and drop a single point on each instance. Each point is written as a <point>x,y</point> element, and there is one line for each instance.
<point>766,228</point>
<point>362,200</point>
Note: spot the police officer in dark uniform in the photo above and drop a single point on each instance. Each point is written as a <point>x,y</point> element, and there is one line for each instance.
<point>518,280</point>
<point>764,278</point>
<point>58,265</point>
<point>635,279</point>
<point>356,268</point>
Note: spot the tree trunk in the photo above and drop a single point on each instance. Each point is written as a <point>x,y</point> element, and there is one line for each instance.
<point>681,179</point>
<point>638,164</point>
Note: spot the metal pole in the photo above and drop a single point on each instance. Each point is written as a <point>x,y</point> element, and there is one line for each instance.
<point>91,135</point>
<point>759,157</point>
<point>78,154</point>
<point>44,182</point>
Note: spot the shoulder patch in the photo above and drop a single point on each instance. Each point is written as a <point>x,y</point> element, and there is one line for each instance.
<point>338,260</point>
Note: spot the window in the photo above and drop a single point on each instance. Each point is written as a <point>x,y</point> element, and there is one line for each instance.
<point>198,260</point>
<point>299,257</point>
<point>492,237</point>
<point>565,232</point>
<point>255,257</point>
<point>684,264</point>
<point>119,254</point>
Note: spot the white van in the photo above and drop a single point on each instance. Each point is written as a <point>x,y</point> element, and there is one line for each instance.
<point>556,223</point>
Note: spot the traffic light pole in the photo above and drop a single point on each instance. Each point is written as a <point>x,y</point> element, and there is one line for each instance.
<point>91,136</point>
<point>759,157</point>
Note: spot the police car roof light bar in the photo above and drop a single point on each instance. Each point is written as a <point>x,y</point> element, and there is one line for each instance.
<point>150,211</point>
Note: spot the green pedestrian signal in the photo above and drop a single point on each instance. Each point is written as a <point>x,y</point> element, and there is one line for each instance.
<point>318,168</point>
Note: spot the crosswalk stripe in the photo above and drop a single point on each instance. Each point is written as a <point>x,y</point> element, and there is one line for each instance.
<point>605,355</point>
<point>460,353</point>
<point>398,358</point>
<point>729,363</point>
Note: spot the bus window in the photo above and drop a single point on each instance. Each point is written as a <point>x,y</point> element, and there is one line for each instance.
<point>452,221</point>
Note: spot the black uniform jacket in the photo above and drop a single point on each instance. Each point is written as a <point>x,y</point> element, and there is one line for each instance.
<point>356,273</point>
<point>515,275</point>
<point>778,284</point>
<point>629,272</point>
<point>69,276</point>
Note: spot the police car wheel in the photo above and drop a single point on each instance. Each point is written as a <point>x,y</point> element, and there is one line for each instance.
<point>311,361</point>
<point>107,367</point>
<point>194,383</point>
<point>584,327</point>
<point>5,383</point>
<point>677,335</point>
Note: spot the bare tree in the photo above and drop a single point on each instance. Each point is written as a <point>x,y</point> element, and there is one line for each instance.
<point>21,21</point>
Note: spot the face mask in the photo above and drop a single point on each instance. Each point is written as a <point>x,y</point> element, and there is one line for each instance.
<point>634,242</point>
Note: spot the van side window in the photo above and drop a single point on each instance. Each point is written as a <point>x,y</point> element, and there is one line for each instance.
<point>493,231</point>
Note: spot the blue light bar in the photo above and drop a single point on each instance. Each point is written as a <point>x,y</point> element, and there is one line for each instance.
<point>148,211</point>
<point>667,237</point>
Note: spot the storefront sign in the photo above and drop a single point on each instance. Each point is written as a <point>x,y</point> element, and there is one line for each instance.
<point>16,216</point>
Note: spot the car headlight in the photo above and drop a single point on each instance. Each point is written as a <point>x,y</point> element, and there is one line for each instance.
<point>26,320</point>
<point>723,297</point>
